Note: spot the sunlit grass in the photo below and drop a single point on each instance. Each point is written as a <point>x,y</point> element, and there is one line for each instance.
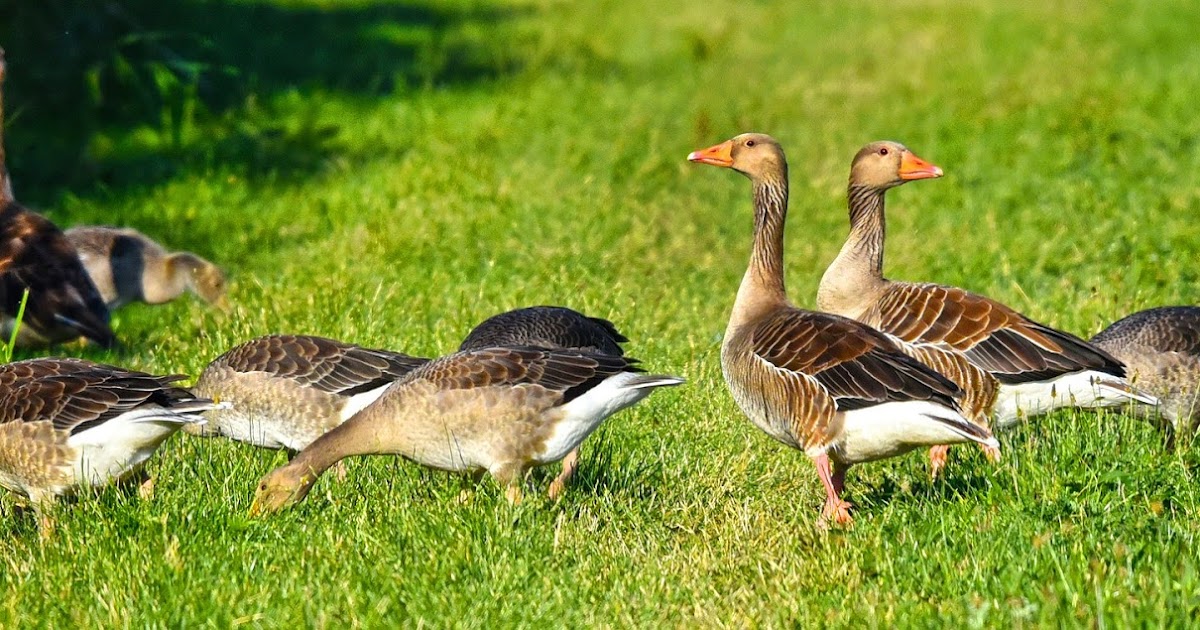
<point>1069,137</point>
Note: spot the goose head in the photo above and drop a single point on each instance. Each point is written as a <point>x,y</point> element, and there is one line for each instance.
<point>201,276</point>
<point>884,164</point>
<point>755,155</point>
<point>210,284</point>
<point>281,488</point>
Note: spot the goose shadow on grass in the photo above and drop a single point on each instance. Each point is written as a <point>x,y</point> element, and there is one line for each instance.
<point>82,71</point>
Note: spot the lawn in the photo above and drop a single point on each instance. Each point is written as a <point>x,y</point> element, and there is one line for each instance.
<point>391,173</point>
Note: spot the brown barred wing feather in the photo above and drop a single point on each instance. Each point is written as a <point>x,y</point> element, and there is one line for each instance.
<point>325,364</point>
<point>858,366</point>
<point>1010,346</point>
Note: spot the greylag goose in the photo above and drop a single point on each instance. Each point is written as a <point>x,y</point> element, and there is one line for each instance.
<point>549,327</point>
<point>67,424</point>
<point>1161,349</point>
<point>1039,368</point>
<point>287,390</point>
<point>128,266</point>
<point>834,388</point>
<point>63,303</point>
<point>501,410</point>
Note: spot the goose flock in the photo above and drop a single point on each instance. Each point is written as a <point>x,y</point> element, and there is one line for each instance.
<point>881,368</point>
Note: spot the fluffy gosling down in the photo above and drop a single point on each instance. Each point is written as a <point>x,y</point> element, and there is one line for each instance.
<point>499,410</point>
<point>128,266</point>
<point>68,424</point>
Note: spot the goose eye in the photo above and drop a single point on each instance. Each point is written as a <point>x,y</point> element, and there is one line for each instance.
<point>883,151</point>
<point>750,143</point>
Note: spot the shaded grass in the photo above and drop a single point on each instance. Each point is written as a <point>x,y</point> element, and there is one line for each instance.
<point>1069,139</point>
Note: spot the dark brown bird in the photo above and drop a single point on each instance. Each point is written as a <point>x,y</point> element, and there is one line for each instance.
<point>35,256</point>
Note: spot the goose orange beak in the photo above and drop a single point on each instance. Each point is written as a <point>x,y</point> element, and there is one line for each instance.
<point>913,167</point>
<point>718,155</point>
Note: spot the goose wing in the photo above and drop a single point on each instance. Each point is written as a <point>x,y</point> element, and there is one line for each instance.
<point>1010,346</point>
<point>1166,329</point>
<point>567,372</point>
<point>76,401</point>
<point>858,366</point>
<point>328,365</point>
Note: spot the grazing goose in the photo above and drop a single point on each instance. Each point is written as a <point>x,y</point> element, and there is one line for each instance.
<point>35,256</point>
<point>501,410</point>
<point>67,424</point>
<point>549,327</point>
<point>827,385</point>
<point>1161,349</point>
<point>1039,368</point>
<point>127,266</point>
<point>287,390</point>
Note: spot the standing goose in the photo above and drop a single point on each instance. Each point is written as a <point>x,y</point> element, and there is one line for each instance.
<point>1039,368</point>
<point>287,390</point>
<point>553,327</point>
<point>128,266</point>
<point>501,410</point>
<point>832,387</point>
<point>67,424</point>
<point>1161,347</point>
<point>35,256</point>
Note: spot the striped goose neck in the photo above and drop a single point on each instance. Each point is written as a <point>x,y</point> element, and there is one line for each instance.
<point>763,287</point>
<point>856,275</point>
<point>352,437</point>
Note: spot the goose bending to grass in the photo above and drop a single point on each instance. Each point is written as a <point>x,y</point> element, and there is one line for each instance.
<point>67,424</point>
<point>1039,368</point>
<point>1161,347</point>
<point>501,410</point>
<point>36,257</point>
<point>128,266</point>
<point>832,387</point>
<point>285,391</point>
<point>549,327</point>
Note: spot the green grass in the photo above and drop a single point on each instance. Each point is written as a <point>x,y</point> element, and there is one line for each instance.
<point>533,152</point>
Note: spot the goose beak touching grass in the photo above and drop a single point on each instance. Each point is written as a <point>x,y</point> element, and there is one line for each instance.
<point>840,391</point>
<point>501,410</point>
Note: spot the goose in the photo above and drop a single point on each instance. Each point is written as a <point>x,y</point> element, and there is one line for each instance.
<point>285,391</point>
<point>1161,349</point>
<point>35,256</point>
<point>128,266</point>
<point>500,410</point>
<point>69,424</point>
<point>832,387</point>
<point>549,327</point>
<point>1038,367</point>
